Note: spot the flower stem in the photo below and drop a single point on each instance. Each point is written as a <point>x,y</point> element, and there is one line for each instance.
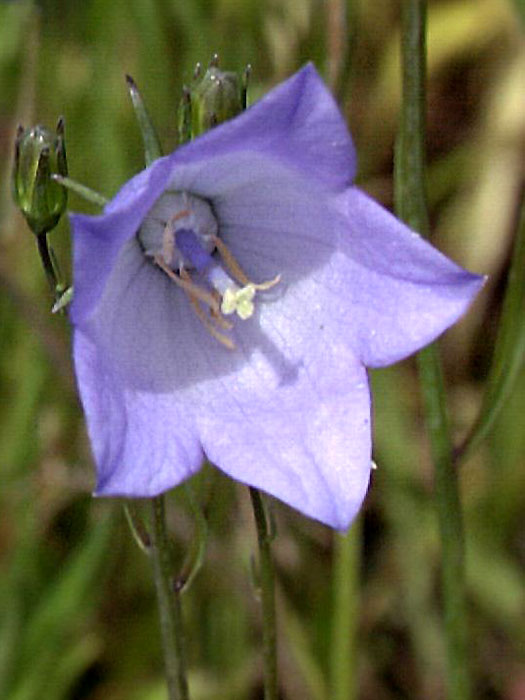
<point>267,586</point>
<point>168,599</point>
<point>450,525</point>
<point>47,261</point>
<point>344,618</point>
<point>411,206</point>
<point>62,293</point>
<point>336,42</point>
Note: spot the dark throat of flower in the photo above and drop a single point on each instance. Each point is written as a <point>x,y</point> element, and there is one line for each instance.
<point>196,259</point>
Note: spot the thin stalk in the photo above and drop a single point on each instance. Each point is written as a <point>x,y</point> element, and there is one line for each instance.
<point>61,292</point>
<point>168,599</point>
<point>267,587</point>
<point>47,261</point>
<point>411,206</point>
<point>343,666</point>
<point>450,525</point>
<point>336,42</point>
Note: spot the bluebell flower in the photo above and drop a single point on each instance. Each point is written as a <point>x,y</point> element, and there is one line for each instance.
<point>229,300</point>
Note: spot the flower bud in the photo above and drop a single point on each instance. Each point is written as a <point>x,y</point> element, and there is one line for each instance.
<point>216,98</point>
<point>39,154</point>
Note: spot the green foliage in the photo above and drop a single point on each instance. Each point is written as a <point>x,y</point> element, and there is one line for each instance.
<point>45,646</point>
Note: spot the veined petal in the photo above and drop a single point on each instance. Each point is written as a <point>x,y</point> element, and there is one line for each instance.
<point>400,292</point>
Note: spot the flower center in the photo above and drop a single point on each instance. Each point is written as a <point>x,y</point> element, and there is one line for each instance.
<point>180,233</point>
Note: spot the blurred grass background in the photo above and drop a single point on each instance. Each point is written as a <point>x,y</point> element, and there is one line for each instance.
<point>77,608</point>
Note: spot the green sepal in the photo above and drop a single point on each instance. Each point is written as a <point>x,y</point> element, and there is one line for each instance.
<point>85,192</point>
<point>152,147</point>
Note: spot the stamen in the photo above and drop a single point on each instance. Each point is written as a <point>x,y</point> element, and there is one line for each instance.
<point>235,269</point>
<point>221,337</point>
<point>189,286</point>
<point>222,288</point>
<point>263,286</point>
<point>206,322</point>
<point>221,321</point>
<point>215,311</point>
<point>235,299</point>
<point>230,262</point>
<point>179,215</point>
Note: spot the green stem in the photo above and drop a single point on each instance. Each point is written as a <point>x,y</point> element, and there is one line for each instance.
<point>168,599</point>
<point>62,293</point>
<point>509,350</point>
<point>47,261</point>
<point>267,585</point>
<point>450,524</point>
<point>411,206</point>
<point>345,613</point>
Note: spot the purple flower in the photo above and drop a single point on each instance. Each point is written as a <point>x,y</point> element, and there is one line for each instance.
<point>229,299</point>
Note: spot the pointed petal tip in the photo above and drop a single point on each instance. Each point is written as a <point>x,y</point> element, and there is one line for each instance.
<point>466,288</point>
<point>339,519</point>
<point>344,505</point>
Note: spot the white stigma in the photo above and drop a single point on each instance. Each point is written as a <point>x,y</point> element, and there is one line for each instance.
<point>181,235</point>
<point>239,300</point>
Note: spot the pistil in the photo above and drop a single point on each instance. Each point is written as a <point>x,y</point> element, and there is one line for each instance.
<point>234,298</point>
<point>180,234</point>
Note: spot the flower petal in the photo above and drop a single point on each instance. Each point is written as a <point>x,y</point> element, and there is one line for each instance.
<point>297,429</point>
<point>296,127</point>
<point>252,195</point>
<point>142,442</point>
<point>287,412</point>
<point>400,293</point>
<point>99,239</point>
<point>298,122</point>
